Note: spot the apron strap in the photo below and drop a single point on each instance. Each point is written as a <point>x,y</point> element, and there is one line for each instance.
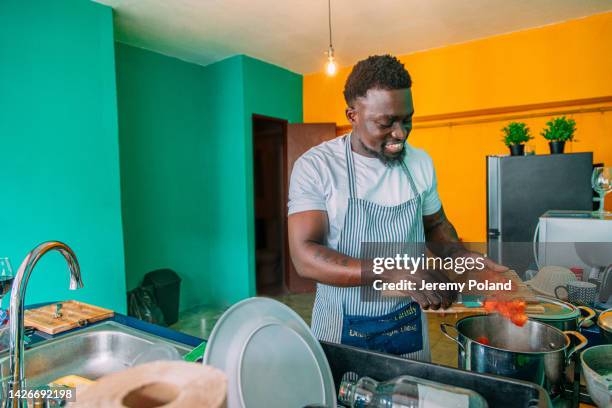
<point>352,175</point>
<point>412,183</point>
<point>350,167</point>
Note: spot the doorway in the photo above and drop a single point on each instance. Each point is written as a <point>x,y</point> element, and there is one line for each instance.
<point>276,147</point>
<point>269,150</point>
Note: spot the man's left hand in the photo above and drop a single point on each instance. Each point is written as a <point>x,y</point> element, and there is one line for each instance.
<point>489,264</point>
<point>491,271</point>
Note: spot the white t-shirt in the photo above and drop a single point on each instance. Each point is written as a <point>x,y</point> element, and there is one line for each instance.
<point>319,181</point>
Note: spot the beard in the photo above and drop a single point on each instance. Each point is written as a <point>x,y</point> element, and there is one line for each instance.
<point>387,159</point>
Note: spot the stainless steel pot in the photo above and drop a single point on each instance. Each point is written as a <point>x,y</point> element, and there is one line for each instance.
<point>536,352</point>
<point>605,325</point>
<point>562,315</point>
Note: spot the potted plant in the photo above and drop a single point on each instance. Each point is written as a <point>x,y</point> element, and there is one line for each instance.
<point>515,136</point>
<point>557,132</point>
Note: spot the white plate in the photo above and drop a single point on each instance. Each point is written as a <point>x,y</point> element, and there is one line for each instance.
<point>270,357</point>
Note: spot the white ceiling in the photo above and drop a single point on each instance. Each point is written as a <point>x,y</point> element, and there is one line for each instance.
<point>294,33</point>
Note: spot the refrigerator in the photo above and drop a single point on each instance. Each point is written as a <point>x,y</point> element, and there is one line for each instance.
<point>522,188</point>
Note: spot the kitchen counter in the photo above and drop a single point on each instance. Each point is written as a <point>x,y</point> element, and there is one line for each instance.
<point>443,350</point>
<point>129,321</point>
<point>200,320</point>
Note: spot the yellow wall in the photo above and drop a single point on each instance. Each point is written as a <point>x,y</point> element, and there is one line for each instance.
<point>567,61</point>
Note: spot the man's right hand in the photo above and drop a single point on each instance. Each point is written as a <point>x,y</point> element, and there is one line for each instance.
<point>426,298</point>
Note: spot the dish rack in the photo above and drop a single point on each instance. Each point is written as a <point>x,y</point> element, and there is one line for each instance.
<point>498,391</point>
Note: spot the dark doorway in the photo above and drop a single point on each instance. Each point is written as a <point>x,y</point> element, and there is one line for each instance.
<point>269,146</point>
<point>276,146</point>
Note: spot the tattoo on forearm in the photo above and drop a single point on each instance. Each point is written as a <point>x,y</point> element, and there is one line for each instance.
<point>331,258</point>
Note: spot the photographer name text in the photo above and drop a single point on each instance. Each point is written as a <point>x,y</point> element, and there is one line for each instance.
<point>404,285</point>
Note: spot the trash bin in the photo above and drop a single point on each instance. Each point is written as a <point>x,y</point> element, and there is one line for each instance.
<point>167,285</point>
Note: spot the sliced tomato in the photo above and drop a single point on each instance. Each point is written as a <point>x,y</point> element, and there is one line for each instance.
<point>483,340</point>
<point>513,310</point>
<point>490,305</point>
<point>504,309</point>
<point>520,319</point>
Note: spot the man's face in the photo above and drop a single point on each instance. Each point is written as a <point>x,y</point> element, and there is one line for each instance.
<point>382,120</point>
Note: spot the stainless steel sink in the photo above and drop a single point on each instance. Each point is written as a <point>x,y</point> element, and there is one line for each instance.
<point>90,353</point>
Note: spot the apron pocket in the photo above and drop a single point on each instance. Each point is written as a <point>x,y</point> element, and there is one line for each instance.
<point>399,332</point>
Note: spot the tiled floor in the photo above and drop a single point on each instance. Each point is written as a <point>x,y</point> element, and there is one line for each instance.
<point>200,320</point>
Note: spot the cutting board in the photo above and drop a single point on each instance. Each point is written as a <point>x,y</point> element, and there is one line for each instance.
<point>74,314</point>
<point>521,291</point>
<point>458,308</point>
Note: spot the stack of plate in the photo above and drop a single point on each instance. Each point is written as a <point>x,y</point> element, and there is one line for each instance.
<point>270,357</point>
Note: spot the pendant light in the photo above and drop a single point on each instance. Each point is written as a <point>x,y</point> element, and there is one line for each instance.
<point>330,67</point>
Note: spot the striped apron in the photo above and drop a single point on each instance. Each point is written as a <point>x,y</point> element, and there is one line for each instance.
<point>352,315</point>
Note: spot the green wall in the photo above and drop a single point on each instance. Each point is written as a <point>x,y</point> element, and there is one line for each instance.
<point>186,160</point>
<point>184,196</point>
<point>59,177</point>
<point>271,90</point>
<point>172,118</point>
<point>159,102</point>
<point>226,267</point>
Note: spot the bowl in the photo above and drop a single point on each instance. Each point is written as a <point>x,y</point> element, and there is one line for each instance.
<point>597,369</point>
<point>548,278</point>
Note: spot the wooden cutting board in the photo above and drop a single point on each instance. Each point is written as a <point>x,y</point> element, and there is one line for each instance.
<point>458,308</point>
<point>73,314</point>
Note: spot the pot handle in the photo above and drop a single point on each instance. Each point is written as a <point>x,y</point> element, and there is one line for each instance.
<point>443,327</point>
<point>579,346</point>
<point>583,319</point>
<point>561,287</point>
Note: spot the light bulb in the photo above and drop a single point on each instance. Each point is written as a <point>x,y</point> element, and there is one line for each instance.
<point>331,67</point>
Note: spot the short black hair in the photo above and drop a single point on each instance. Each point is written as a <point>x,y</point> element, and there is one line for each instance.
<point>375,72</point>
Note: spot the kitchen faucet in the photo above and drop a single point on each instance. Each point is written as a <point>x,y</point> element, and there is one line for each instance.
<point>16,322</point>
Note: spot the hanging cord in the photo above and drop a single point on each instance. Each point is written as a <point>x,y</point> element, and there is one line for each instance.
<point>329,20</point>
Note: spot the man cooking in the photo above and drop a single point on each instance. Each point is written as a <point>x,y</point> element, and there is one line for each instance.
<point>370,186</point>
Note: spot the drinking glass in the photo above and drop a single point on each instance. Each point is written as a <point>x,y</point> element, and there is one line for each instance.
<point>6,276</point>
<point>602,184</point>
<point>6,281</point>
